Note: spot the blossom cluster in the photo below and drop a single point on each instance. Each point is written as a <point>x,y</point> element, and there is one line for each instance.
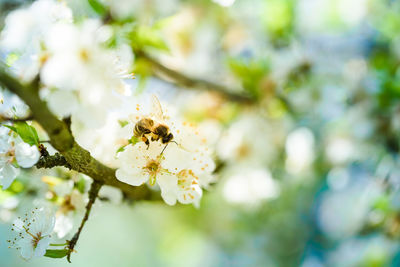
<point>81,76</point>
<point>181,167</point>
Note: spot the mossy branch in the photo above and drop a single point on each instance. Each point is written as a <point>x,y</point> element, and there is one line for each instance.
<point>52,161</point>
<point>78,158</point>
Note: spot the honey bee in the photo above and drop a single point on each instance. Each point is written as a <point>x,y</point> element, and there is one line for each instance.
<point>153,128</point>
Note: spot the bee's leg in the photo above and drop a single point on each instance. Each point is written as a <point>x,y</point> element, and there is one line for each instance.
<point>146,141</point>
<point>164,148</point>
<point>155,137</point>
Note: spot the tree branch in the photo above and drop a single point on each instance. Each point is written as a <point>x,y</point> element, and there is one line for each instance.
<point>4,118</point>
<point>61,139</point>
<point>55,160</point>
<point>93,193</point>
<point>162,71</point>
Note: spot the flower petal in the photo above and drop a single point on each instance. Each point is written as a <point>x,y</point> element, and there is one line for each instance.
<point>42,222</point>
<point>190,196</point>
<point>63,225</point>
<point>63,102</point>
<point>41,247</point>
<point>175,158</point>
<point>134,179</point>
<point>26,247</point>
<point>168,197</point>
<point>7,175</point>
<point>26,155</point>
<point>168,185</point>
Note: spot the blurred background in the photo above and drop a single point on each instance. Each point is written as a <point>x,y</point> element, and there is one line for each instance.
<point>308,171</point>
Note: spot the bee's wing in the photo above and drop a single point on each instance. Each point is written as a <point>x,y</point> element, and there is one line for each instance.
<point>156,108</point>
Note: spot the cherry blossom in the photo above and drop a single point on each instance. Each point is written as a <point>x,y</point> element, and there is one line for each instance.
<point>33,236</point>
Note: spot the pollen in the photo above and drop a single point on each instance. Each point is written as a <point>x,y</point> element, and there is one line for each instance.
<point>84,55</point>
<point>152,168</point>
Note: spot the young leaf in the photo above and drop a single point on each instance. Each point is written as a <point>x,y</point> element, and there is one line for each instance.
<point>27,133</point>
<point>133,140</point>
<point>12,128</point>
<point>56,253</point>
<point>123,123</point>
<point>122,148</point>
<point>97,7</point>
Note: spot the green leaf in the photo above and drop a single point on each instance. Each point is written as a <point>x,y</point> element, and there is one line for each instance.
<point>121,149</point>
<point>123,123</point>
<point>10,127</point>
<point>98,7</point>
<point>133,140</point>
<point>27,133</point>
<point>56,253</point>
<point>145,36</point>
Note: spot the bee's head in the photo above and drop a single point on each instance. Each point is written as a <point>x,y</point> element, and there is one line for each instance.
<point>167,138</point>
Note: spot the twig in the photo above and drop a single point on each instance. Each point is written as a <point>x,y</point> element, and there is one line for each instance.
<point>93,193</point>
<point>183,80</point>
<point>55,160</point>
<point>5,118</point>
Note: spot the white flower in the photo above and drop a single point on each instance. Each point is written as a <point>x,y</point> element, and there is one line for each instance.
<point>140,165</point>
<point>87,76</point>
<point>25,27</point>
<point>249,140</point>
<point>80,62</point>
<point>14,151</point>
<point>24,33</point>
<point>73,201</point>
<point>300,150</point>
<point>250,187</point>
<point>175,171</point>
<point>189,190</point>
<point>33,234</point>
<point>26,155</point>
<point>70,202</point>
